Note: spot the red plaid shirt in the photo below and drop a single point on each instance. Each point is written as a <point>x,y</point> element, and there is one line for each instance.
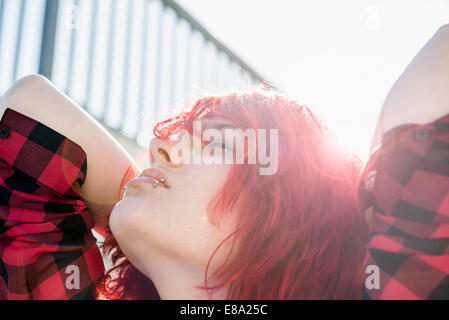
<point>406,183</point>
<point>47,250</point>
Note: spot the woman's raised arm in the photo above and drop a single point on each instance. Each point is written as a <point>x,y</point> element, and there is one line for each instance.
<point>404,186</point>
<point>107,162</point>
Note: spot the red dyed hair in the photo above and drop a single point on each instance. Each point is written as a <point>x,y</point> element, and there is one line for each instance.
<point>300,235</point>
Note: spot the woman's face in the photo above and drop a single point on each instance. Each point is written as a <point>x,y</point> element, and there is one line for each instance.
<point>172,223</point>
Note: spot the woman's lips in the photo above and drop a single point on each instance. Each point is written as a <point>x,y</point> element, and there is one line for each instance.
<point>142,179</point>
<point>155,174</point>
<point>141,183</point>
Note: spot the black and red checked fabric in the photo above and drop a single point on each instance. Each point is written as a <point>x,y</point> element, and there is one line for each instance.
<point>406,183</point>
<point>45,228</point>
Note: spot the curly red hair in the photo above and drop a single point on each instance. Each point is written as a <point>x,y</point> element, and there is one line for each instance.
<point>300,235</point>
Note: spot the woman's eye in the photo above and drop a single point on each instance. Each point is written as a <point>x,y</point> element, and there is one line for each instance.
<point>220,144</point>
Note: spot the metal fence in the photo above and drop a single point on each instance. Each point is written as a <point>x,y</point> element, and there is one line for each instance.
<point>127,62</point>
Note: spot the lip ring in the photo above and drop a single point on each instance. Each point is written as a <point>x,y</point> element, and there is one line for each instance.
<point>155,174</point>
<point>143,179</point>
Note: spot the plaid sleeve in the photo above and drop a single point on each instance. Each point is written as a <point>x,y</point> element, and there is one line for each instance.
<point>47,250</point>
<point>405,185</point>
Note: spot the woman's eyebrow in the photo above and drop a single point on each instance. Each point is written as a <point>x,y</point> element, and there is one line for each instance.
<point>218,125</point>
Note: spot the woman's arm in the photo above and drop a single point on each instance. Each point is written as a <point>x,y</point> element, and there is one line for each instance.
<point>421,94</point>
<point>404,184</point>
<point>107,162</point>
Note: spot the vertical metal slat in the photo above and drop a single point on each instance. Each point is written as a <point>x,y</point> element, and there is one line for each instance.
<point>188,77</point>
<point>126,65</point>
<point>19,40</point>
<point>157,95</point>
<point>201,57</point>
<point>173,65</point>
<point>92,44</point>
<point>72,49</point>
<point>48,38</point>
<point>143,76</point>
<point>110,57</point>
<point>2,8</point>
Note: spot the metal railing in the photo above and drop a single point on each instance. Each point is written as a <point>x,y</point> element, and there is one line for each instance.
<point>128,63</point>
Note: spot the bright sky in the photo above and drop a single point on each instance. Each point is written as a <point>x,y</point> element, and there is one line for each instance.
<point>338,57</point>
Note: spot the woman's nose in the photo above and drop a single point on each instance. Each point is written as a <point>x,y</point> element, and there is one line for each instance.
<point>160,154</point>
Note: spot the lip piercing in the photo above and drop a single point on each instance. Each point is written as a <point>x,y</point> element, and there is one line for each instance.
<point>162,180</point>
<point>155,184</point>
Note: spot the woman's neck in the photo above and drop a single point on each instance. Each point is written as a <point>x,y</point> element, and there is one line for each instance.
<point>179,281</point>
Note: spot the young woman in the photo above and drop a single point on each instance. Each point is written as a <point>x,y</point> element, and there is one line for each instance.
<point>223,230</point>
<point>199,230</point>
